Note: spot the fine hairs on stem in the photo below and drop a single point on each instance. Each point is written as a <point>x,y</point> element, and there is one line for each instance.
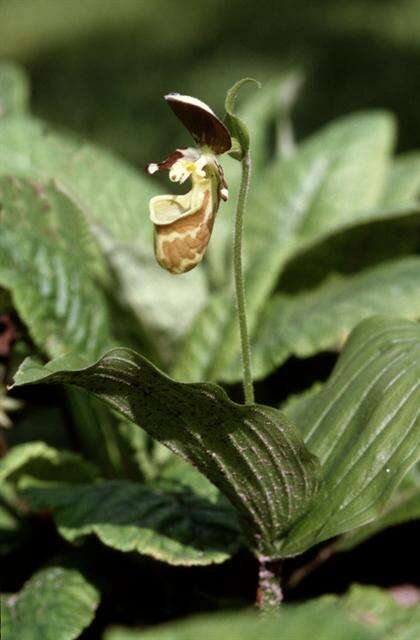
<point>239,279</point>
<point>269,594</point>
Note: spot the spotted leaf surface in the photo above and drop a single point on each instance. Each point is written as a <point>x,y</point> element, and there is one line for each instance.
<point>251,453</point>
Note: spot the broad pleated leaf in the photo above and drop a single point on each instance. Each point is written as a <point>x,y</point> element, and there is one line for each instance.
<point>45,262</point>
<point>321,320</point>
<point>169,523</point>
<point>403,507</point>
<point>252,453</point>
<point>114,199</point>
<point>55,604</point>
<point>364,426</point>
<point>365,613</point>
<point>326,185</point>
<point>38,460</point>
<point>14,90</point>
<point>384,236</point>
<point>403,183</point>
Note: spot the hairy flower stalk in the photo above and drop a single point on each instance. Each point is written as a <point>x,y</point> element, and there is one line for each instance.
<point>239,280</point>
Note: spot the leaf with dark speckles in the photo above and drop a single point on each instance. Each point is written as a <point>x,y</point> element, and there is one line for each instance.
<point>253,454</point>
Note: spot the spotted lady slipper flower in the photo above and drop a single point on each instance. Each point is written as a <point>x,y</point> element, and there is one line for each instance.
<point>184,223</point>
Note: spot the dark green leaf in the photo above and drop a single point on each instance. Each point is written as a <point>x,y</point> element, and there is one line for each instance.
<point>12,528</point>
<point>252,453</point>
<point>403,184</point>
<point>169,523</point>
<point>96,429</point>
<point>55,604</point>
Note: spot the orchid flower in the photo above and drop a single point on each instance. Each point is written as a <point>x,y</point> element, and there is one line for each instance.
<point>184,223</point>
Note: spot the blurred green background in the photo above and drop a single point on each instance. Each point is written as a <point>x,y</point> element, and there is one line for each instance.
<point>100,67</point>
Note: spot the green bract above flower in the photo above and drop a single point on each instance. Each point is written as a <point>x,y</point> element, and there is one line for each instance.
<point>183,223</point>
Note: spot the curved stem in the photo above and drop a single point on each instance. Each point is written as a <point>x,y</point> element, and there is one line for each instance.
<point>239,280</point>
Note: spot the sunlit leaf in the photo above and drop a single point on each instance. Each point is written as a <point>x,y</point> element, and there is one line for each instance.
<point>38,460</point>
<point>321,319</point>
<point>365,613</point>
<point>55,604</point>
<point>14,89</point>
<point>403,183</point>
<point>114,200</point>
<point>45,262</point>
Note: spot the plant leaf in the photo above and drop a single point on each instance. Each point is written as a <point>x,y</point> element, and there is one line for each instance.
<point>364,613</point>
<point>364,427</point>
<point>114,200</point>
<point>251,453</point>
<point>380,611</point>
<point>165,522</point>
<point>55,604</point>
<point>13,529</point>
<point>45,259</point>
<point>321,320</point>
<point>296,623</point>
<point>385,235</point>
<point>14,90</point>
<point>403,184</point>
<point>38,460</point>
<point>325,186</point>
<point>403,506</point>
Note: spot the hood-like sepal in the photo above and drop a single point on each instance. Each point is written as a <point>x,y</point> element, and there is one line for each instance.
<point>205,127</point>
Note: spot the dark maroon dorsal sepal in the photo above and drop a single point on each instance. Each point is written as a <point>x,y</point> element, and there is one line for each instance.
<point>204,126</point>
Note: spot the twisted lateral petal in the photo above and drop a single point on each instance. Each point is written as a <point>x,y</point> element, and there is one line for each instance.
<point>202,123</point>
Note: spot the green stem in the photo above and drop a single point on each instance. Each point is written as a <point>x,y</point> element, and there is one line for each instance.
<point>239,280</point>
